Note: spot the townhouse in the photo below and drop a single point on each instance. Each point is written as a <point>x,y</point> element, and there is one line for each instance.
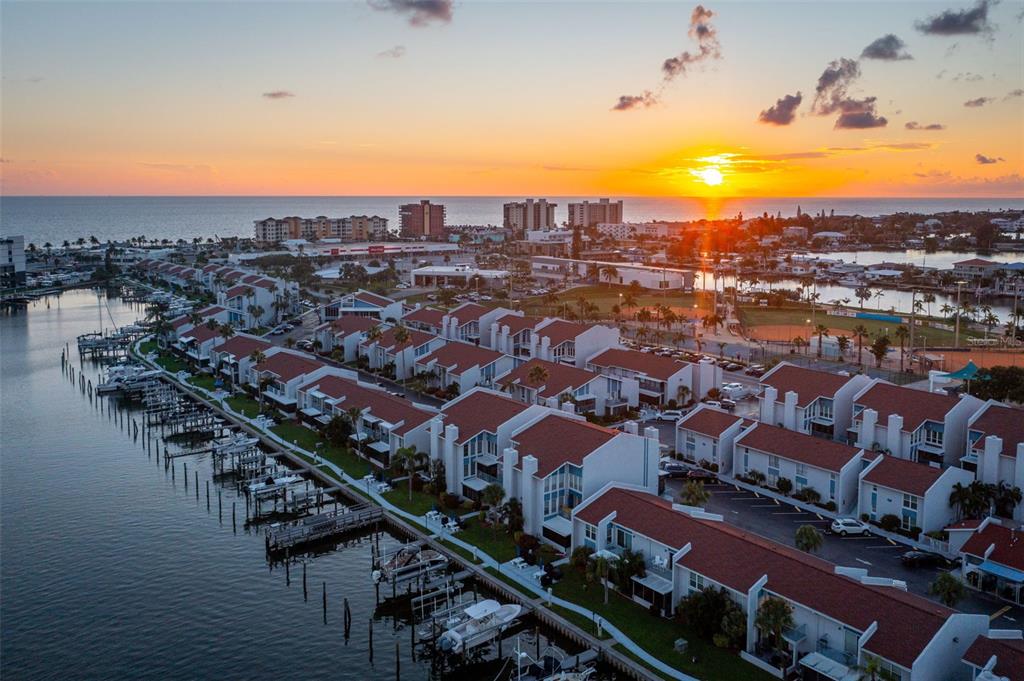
<point>344,333</point>
<point>538,381</point>
<point>554,463</point>
<point>251,303</point>
<point>995,447</point>
<point>915,493</point>
<point>386,351</point>
<point>233,358</point>
<point>197,342</point>
<point>557,340</point>
<point>427,319</point>
<point>829,468</point>
<point>999,654</point>
<point>809,401</point>
<point>706,435</point>
<point>842,618</point>
<point>511,333</point>
<point>471,432</point>
<point>278,377</point>
<point>383,424</point>
<point>911,424</point>
<point>463,365</point>
<point>465,322</point>
<point>993,559</point>
<point>182,323</point>
<point>363,303</point>
<point>646,379</point>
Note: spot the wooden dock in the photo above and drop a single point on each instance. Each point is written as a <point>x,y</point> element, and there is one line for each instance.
<point>323,526</point>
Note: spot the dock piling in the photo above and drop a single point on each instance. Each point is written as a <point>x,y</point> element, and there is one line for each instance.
<point>325,602</point>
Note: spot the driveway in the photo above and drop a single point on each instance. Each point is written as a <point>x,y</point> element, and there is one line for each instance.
<point>879,556</point>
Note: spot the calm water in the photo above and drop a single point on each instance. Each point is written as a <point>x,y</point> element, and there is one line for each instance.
<point>55,219</point>
<point>111,570</point>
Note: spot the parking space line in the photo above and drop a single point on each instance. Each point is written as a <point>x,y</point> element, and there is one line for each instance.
<point>788,513</point>
<point>776,502</point>
<point>880,546</point>
<point>819,516</point>
<point>756,495</point>
<point>891,541</point>
<point>999,612</point>
<point>762,506</point>
<point>860,560</point>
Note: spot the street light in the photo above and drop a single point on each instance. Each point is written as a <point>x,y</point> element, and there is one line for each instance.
<point>956,331</point>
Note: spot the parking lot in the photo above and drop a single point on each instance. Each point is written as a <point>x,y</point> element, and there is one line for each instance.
<point>779,521</point>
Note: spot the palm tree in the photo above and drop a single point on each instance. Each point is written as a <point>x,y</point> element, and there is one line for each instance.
<point>629,300</point>
<point>871,670</point>
<point>928,299</point>
<point>902,334</point>
<point>694,494</point>
<point>948,588</point>
<point>537,375</point>
<point>808,538</point>
<point>406,458</point>
<point>859,332</point>
<point>862,294</point>
<point>822,331</point>
<point>492,496</point>
<point>598,569</point>
<point>226,331</point>
<point>609,273</point>
<point>844,344</point>
<point>354,416</point>
<point>289,342</point>
<point>799,342</point>
<point>879,349</point>
<point>774,616</point>
<point>257,357</point>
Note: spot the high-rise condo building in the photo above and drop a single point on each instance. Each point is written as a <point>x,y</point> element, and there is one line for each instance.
<point>423,220</point>
<point>587,214</point>
<point>531,214</point>
<point>354,228</point>
<point>12,261</point>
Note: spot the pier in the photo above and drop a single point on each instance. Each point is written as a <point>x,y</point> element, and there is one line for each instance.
<point>322,526</point>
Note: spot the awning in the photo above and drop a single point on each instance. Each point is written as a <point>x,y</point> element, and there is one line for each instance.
<point>559,525</point>
<point>475,484</point>
<point>378,446</point>
<point>311,412</point>
<point>828,667</point>
<point>280,399</point>
<point>1002,571</point>
<point>654,583</point>
<point>966,374</point>
<point>486,460</point>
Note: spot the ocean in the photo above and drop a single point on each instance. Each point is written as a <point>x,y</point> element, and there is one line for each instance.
<point>55,219</point>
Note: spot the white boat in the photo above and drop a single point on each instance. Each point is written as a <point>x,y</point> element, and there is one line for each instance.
<point>484,621</point>
<point>408,562</point>
<point>272,483</point>
<point>120,376</point>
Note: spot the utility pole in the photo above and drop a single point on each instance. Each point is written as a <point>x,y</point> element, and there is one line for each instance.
<point>956,332</point>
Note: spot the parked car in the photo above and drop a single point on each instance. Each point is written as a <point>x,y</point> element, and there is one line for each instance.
<point>674,469</point>
<point>713,403</point>
<point>701,474</point>
<point>672,415</point>
<point>845,526</point>
<point>728,405</point>
<point>916,559</point>
<point>733,366</point>
<point>755,370</point>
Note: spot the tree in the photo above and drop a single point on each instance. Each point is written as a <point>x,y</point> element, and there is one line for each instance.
<point>338,430</point>
<point>406,459</point>
<point>822,331</point>
<point>537,375</point>
<point>226,331</point>
<point>859,332</point>
<point>492,496</point>
<point>774,616</point>
<point>879,349</point>
<point>902,334</point>
<point>808,538</point>
<point>799,342</point>
<point>609,273</point>
<point>704,610</point>
<point>694,494</point>
<point>844,344</point>
<point>871,670</point>
<point>512,515</point>
<point>948,588</point>
<point>598,569</point>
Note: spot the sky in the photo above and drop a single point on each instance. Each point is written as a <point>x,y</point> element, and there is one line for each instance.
<point>441,97</point>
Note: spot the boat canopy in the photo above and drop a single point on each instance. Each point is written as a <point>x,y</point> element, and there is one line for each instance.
<point>483,608</point>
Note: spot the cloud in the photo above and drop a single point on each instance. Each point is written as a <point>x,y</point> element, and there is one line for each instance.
<point>420,12</point>
<point>833,83</point>
<point>944,182</point>
<point>914,125</point>
<point>396,52</point>
<point>968,77</point>
<point>705,34</point>
<point>278,94</point>
<point>783,111</point>
<point>987,160</point>
<point>861,119</point>
<point>977,102</point>
<point>1019,92</point>
<point>958,22</point>
<point>886,48</point>
<point>642,101</point>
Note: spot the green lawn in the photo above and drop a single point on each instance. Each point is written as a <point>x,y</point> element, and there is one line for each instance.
<point>656,635</point>
<point>244,405</point>
<point>496,543</point>
<point>308,439</point>
<point>171,363</point>
<point>797,316</point>
<point>148,347</point>
<point>605,297</point>
<point>468,555</point>
<point>204,381</point>
<point>420,503</point>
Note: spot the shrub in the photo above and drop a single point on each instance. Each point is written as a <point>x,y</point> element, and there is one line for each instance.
<point>784,485</point>
<point>580,557</point>
<point>831,506</point>
<point>450,501</point>
<point>713,468</point>
<point>720,640</point>
<point>889,522</point>
<point>810,495</point>
<point>864,517</point>
<point>757,476</point>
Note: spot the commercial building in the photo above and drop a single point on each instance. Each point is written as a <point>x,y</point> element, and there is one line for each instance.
<point>12,261</point>
<point>524,216</point>
<point>432,276</point>
<point>587,214</point>
<point>423,220</point>
<point>621,231</point>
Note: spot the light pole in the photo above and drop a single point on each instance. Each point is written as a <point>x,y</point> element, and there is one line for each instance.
<point>956,329</point>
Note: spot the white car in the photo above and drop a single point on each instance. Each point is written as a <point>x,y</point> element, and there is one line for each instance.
<point>845,526</point>
<point>672,415</point>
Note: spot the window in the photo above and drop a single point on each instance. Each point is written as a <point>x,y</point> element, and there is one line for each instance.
<point>801,476</point>
<point>832,486</point>
<point>623,538</point>
<point>910,502</point>
<point>696,582</point>
<point>773,469</point>
<point>590,533</point>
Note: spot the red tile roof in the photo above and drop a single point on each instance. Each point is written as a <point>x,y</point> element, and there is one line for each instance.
<point>240,346</point>
<point>233,275</point>
<point>1004,422</point>
<point>211,310</point>
<point>457,357</point>
<point>201,333</point>
<point>915,406</point>
<point>373,298</point>
<point>738,559</point>
<point>808,384</point>
<point>647,363</point>
<point>1009,655</point>
<point>416,339</point>
<point>561,331</point>
<point>789,444</point>
<point>288,366</point>
<point>380,404</point>
<point>251,278</point>
<point>238,291</point>
<point>425,315</point>
<point>555,440</point>
<point>352,323</point>
<point>903,475</point>
<point>480,411</point>
<point>181,321</point>
<point>266,284</point>
<point>561,377</point>
<point>974,262</point>
<point>1009,545</point>
<point>210,268</point>
<point>468,312</point>
<point>709,421</point>
<point>517,323</point>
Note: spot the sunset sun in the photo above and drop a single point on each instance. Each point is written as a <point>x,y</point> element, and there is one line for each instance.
<point>709,176</point>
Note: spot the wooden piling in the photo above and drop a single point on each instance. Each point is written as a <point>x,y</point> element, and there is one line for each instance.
<point>325,602</point>
<point>371,641</point>
<point>197,490</point>
<point>234,525</point>
<point>207,493</point>
<point>398,662</point>
<point>305,592</point>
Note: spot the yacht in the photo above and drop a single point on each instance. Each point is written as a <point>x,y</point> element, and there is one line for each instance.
<point>484,621</point>
<point>408,562</point>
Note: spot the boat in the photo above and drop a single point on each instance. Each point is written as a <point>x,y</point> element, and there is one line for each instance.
<point>484,621</point>
<point>270,482</point>
<point>121,376</point>
<point>409,561</point>
<point>552,664</point>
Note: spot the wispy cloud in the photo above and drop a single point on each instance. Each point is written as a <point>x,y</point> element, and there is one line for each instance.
<point>958,22</point>
<point>180,168</point>
<point>278,94</point>
<point>783,111</point>
<point>832,95</point>
<point>420,13</point>
<point>708,48</point>
<point>968,77</point>
<point>984,160</point>
<point>887,48</point>
<point>914,125</point>
<point>396,52</point>
<point>1019,92</point>
<point>977,102</point>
